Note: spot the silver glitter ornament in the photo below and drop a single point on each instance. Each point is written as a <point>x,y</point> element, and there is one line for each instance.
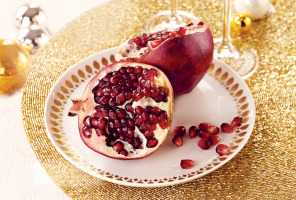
<point>33,38</point>
<point>29,14</point>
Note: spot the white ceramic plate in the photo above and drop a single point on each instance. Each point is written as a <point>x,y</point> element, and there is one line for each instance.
<point>218,98</point>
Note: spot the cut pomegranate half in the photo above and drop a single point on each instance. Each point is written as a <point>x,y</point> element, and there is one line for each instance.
<point>120,115</point>
<point>184,54</point>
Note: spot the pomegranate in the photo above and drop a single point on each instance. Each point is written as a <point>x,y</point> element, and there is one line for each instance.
<point>226,128</point>
<point>187,164</point>
<point>193,131</point>
<point>222,149</point>
<point>125,111</point>
<point>177,140</point>
<point>236,121</point>
<point>184,54</point>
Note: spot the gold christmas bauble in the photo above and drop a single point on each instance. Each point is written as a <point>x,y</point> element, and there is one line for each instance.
<point>241,24</point>
<point>14,66</point>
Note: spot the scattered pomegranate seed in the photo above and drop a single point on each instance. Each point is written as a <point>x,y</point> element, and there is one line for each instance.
<point>193,131</point>
<point>226,128</point>
<point>236,121</point>
<point>177,140</point>
<point>204,144</point>
<point>180,130</point>
<point>204,126</point>
<point>203,134</point>
<point>213,130</point>
<point>222,149</point>
<point>214,139</point>
<point>118,146</point>
<point>187,164</point>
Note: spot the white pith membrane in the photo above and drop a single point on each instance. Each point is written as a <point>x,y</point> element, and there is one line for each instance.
<point>132,49</point>
<point>85,106</point>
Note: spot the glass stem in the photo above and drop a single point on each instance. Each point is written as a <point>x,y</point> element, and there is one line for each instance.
<point>174,6</point>
<point>226,22</point>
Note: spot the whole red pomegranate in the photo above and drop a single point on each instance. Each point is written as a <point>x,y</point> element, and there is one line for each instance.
<point>184,54</point>
<point>126,110</point>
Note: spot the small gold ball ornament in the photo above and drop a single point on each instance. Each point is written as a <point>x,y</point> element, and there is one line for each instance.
<point>14,66</point>
<point>241,24</point>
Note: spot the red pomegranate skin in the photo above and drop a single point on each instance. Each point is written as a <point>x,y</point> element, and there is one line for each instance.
<point>185,60</point>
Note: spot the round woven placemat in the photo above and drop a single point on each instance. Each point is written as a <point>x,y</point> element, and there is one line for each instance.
<point>264,169</point>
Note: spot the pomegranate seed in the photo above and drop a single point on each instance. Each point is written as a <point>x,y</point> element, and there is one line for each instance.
<point>120,99</point>
<point>137,40</point>
<point>193,131</point>
<point>120,113</point>
<point>180,130</point>
<point>130,70</point>
<point>112,115</point>
<point>139,120</point>
<point>187,164</point>
<point>181,31</point>
<point>129,107</point>
<point>226,128</point>
<point>138,70</point>
<point>203,134</point>
<point>123,152</point>
<point>122,70</point>
<point>222,149</point>
<point>236,121</point>
<point>98,115</point>
<point>153,72</point>
<point>105,112</point>
<point>108,139</point>
<point>116,123</point>
<point>172,34</point>
<point>122,137</point>
<point>117,146</point>
<point>152,143</point>
<point>112,102</point>
<point>131,123</point>
<point>204,144</point>
<point>214,139</point>
<point>204,126</point>
<point>153,127</point>
<point>139,110</point>
<point>154,92</point>
<point>155,43</point>
<point>177,140</point>
<point>148,108</point>
<point>130,133</point>
<point>100,132</point>
<point>148,134</point>
<point>163,123</point>
<point>87,121</point>
<point>87,132</point>
<point>155,110</point>
<point>137,143</point>
<point>214,130</point>
<point>99,123</point>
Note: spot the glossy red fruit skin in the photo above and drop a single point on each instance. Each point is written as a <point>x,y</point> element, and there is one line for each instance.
<point>187,164</point>
<point>185,60</point>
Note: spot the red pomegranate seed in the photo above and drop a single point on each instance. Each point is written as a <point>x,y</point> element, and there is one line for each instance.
<point>137,40</point>
<point>222,149</point>
<point>226,128</point>
<point>116,123</point>
<point>139,120</point>
<point>203,134</point>
<point>105,112</point>
<point>139,110</point>
<point>213,130</point>
<point>152,143</point>
<point>193,131</point>
<point>120,99</point>
<point>204,126</point>
<point>123,152</point>
<point>122,137</point>
<point>130,133</point>
<point>177,140</point>
<point>163,123</point>
<point>100,132</point>
<point>153,72</point>
<point>117,146</point>
<point>236,121</point>
<point>129,107</point>
<point>187,164</point>
<point>99,123</point>
<point>149,134</point>
<point>155,110</point>
<point>131,123</point>
<point>181,31</point>
<point>154,92</point>
<point>155,43</point>
<point>130,70</point>
<point>137,143</point>
<point>214,139</point>
<point>120,113</point>
<point>204,144</point>
<point>112,115</point>
<point>87,121</point>
<point>180,130</point>
<point>153,127</point>
<point>87,132</point>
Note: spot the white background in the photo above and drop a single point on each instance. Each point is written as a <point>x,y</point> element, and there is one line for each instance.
<point>21,175</point>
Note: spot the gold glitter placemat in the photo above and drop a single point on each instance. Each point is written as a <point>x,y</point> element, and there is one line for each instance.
<point>264,169</point>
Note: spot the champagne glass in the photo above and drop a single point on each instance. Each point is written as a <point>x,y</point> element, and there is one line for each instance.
<point>168,20</point>
<point>244,59</point>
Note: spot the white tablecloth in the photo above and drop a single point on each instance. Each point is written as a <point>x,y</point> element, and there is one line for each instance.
<point>21,175</point>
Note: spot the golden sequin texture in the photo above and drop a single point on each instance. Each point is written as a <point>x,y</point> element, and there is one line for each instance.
<point>264,169</point>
